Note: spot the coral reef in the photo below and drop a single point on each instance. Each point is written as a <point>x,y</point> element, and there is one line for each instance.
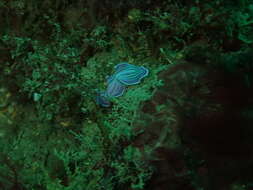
<point>187,125</point>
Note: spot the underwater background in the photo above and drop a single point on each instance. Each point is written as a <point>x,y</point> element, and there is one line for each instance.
<point>126,95</point>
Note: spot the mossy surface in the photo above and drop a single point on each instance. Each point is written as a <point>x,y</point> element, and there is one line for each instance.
<point>186,123</point>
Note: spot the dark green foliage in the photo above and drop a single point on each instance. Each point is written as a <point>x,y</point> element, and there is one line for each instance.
<point>48,71</point>
<point>55,56</point>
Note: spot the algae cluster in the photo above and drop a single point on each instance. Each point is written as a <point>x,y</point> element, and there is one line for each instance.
<point>186,126</point>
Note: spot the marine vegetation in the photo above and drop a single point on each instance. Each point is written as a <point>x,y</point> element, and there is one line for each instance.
<point>126,95</point>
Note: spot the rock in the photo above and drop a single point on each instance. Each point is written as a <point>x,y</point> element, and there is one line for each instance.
<point>196,112</point>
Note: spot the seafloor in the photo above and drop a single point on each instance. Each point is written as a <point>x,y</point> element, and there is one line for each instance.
<point>185,122</point>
